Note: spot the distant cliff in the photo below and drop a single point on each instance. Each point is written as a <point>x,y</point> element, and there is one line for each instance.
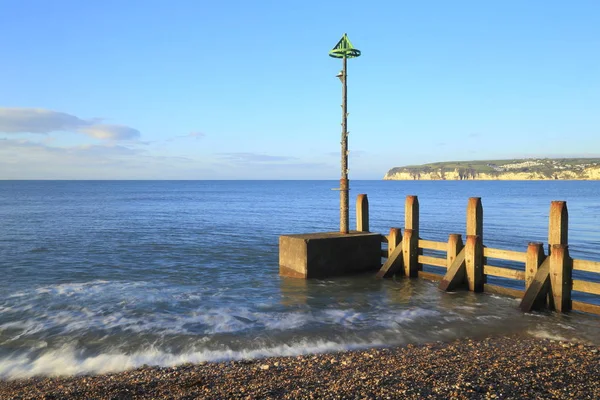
<point>507,170</point>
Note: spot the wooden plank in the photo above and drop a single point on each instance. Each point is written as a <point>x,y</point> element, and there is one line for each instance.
<point>535,295</point>
<point>503,272</point>
<point>455,276</point>
<point>585,307</point>
<point>587,266</point>
<point>438,262</point>
<point>431,245</point>
<point>392,265</point>
<point>503,291</point>
<point>505,254</point>
<point>384,239</point>
<point>430,276</point>
<point>586,287</point>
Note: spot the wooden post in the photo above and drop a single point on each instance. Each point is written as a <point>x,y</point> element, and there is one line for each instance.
<point>560,263</point>
<point>558,224</point>
<point>475,218</point>
<point>535,258</point>
<point>474,263</point>
<point>411,214</point>
<point>410,241</point>
<point>455,245</point>
<point>474,247</point>
<point>410,250</point>
<point>394,240</point>
<point>362,213</point>
<point>560,277</point>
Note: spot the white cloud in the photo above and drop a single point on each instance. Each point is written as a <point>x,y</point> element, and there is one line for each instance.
<point>39,120</point>
<point>22,150</point>
<point>246,158</point>
<point>194,135</point>
<point>112,132</point>
<point>26,159</point>
<point>29,159</point>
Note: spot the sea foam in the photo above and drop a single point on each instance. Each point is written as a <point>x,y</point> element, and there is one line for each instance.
<point>69,361</point>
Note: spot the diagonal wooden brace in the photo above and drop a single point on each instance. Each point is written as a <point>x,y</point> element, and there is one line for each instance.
<point>392,265</point>
<point>535,295</point>
<point>456,274</point>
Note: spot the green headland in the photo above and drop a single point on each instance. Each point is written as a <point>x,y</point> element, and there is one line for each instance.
<point>515,169</point>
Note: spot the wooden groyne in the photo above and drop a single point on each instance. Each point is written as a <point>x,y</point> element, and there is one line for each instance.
<point>548,278</point>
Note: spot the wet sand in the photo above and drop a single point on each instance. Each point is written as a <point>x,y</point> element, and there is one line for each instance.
<point>512,367</point>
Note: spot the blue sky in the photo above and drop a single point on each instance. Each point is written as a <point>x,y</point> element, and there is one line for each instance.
<point>227,89</point>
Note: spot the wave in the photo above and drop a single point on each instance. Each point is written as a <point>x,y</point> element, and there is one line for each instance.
<point>544,334</point>
<point>67,289</point>
<point>69,360</point>
<point>205,321</point>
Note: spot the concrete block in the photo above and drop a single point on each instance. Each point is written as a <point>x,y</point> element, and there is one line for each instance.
<point>328,254</point>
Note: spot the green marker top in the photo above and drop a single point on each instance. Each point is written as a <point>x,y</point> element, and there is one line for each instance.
<point>344,49</point>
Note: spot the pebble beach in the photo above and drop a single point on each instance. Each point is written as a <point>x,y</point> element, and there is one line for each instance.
<point>506,367</point>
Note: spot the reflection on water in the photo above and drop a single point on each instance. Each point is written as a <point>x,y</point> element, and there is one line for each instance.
<point>399,292</point>
<point>294,292</point>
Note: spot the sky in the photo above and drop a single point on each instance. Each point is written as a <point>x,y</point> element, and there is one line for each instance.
<point>113,89</point>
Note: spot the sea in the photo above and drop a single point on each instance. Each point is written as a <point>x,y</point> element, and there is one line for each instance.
<point>104,276</point>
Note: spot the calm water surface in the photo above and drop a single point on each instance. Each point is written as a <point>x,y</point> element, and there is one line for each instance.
<point>103,276</point>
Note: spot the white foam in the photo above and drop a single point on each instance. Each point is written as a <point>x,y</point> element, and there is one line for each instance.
<point>347,318</point>
<point>69,289</point>
<point>68,360</point>
<point>287,321</point>
<point>207,321</point>
<point>488,318</point>
<point>211,321</point>
<point>400,317</point>
<point>543,334</point>
<point>27,328</point>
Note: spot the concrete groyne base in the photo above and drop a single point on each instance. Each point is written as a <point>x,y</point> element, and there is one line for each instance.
<point>327,254</point>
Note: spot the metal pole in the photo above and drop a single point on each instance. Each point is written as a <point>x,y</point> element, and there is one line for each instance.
<point>344,183</point>
<point>344,50</point>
